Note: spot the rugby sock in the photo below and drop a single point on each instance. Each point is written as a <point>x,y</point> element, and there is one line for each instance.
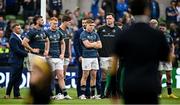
<point>93,90</point>
<point>83,89</point>
<point>103,85</point>
<point>64,92</point>
<point>169,89</point>
<point>58,89</point>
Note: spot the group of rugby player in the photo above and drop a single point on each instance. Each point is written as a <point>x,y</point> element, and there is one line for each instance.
<point>94,49</point>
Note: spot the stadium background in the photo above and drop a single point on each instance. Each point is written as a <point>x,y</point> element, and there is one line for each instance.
<point>84,5</point>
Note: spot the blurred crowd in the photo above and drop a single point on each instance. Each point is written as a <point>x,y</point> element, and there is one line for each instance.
<point>22,11</point>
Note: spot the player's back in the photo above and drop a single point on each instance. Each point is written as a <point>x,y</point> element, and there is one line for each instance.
<point>141,48</point>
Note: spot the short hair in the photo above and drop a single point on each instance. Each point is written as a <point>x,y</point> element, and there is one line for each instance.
<point>14,25</point>
<point>86,18</point>
<point>67,11</point>
<point>36,18</point>
<point>66,18</point>
<point>89,21</point>
<point>153,21</point>
<point>26,25</point>
<point>174,1</point>
<point>163,24</point>
<point>53,18</point>
<point>110,14</point>
<point>138,6</point>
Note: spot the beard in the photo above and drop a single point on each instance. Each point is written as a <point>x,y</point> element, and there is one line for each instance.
<point>109,24</point>
<point>84,26</point>
<point>41,25</point>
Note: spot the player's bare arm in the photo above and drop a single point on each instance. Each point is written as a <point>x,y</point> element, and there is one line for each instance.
<point>63,47</point>
<point>47,44</point>
<point>25,43</point>
<point>98,45</point>
<point>88,44</point>
<point>70,48</point>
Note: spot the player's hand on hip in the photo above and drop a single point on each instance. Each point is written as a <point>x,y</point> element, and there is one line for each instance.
<point>36,50</point>
<point>45,53</point>
<point>173,57</point>
<point>70,58</point>
<point>61,56</point>
<point>80,59</point>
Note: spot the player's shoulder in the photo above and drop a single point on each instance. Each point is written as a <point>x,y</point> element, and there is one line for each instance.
<point>83,32</point>
<point>60,31</point>
<point>80,30</point>
<point>47,30</point>
<point>156,31</point>
<point>95,32</point>
<point>12,36</point>
<point>156,34</point>
<point>31,32</point>
<point>167,35</point>
<point>169,8</point>
<point>102,27</point>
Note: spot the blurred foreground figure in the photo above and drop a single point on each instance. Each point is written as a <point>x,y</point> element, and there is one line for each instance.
<point>40,82</point>
<point>139,50</point>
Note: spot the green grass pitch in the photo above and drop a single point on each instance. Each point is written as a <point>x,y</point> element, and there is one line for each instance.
<point>72,92</point>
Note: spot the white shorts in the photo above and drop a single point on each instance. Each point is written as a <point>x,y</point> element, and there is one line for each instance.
<point>29,61</point>
<point>106,63</point>
<point>66,61</point>
<point>56,63</point>
<point>165,66</point>
<point>90,64</point>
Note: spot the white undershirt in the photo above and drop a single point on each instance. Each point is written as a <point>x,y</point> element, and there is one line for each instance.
<point>19,36</point>
<point>141,18</point>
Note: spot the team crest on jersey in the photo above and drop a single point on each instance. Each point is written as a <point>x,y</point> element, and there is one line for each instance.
<point>104,30</point>
<point>50,37</point>
<point>37,36</point>
<point>88,37</point>
<point>42,35</point>
<point>54,36</point>
<point>91,37</point>
<point>58,36</point>
<point>113,30</point>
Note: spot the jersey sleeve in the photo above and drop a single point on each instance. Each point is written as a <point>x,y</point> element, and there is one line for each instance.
<point>61,33</point>
<point>98,38</point>
<point>83,36</point>
<point>46,32</point>
<point>46,35</point>
<point>99,30</point>
<point>30,35</point>
<point>171,40</point>
<point>168,10</point>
